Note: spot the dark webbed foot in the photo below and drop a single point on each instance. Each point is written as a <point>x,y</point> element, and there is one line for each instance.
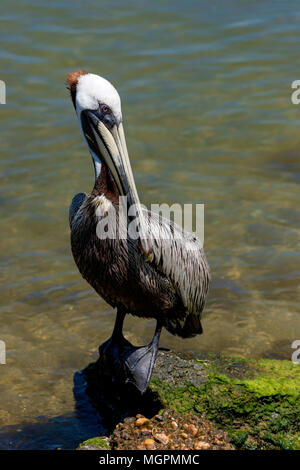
<point>122,363</point>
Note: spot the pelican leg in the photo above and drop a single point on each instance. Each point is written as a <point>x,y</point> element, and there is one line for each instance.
<point>118,328</point>
<point>139,362</point>
<point>124,363</point>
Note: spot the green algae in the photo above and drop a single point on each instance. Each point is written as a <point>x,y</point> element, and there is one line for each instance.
<point>95,442</point>
<point>256,401</point>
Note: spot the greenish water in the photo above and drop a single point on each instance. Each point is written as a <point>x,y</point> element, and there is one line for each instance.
<point>206,89</point>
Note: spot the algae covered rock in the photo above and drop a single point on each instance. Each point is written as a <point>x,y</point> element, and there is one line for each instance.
<point>257,401</point>
<point>241,403</point>
<point>95,443</point>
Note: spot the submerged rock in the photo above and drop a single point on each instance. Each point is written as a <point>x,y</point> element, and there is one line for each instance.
<point>210,402</point>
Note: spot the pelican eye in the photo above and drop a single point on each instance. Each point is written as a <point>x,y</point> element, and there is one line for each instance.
<point>105,109</point>
<point>106,115</point>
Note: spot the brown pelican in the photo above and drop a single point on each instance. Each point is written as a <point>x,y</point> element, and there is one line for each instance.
<point>161,274</point>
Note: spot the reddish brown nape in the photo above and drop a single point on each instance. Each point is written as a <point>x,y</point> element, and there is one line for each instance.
<point>72,80</point>
<point>106,185</point>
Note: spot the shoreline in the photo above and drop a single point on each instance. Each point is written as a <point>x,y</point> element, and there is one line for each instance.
<point>217,401</point>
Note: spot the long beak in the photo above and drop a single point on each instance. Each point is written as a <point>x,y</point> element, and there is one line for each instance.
<point>110,146</point>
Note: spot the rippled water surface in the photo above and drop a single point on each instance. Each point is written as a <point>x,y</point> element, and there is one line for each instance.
<point>206,91</point>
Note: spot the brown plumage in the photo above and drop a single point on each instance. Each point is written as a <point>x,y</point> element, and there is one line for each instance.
<point>116,269</point>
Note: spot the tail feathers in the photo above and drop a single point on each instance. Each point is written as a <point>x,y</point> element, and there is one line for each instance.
<point>186,328</point>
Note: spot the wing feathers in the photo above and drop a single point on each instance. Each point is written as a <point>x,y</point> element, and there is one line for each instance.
<point>180,256</point>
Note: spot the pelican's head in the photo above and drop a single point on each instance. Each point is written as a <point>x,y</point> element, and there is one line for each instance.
<point>98,107</point>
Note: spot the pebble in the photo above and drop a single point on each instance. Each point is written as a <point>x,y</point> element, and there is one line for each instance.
<point>200,445</point>
<point>141,421</point>
<point>149,444</point>
<point>145,431</point>
<point>162,437</point>
<point>158,417</point>
<point>129,420</point>
<point>169,430</point>
<point>217,442</point>
<point>192,429</point>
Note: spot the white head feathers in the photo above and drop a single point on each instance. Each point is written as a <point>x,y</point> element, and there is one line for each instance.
<point>92,90</point>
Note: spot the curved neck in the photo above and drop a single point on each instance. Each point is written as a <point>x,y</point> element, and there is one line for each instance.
<point>104,184</point>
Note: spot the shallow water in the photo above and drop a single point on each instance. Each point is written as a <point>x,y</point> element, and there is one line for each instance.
<point>206,92</point>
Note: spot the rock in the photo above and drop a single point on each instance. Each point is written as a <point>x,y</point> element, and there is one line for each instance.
<point>95,443</point>
<point>145,431</point>
<point>141,421</point>
<point>256,400</point>
<point>213,401</point>
<point>129,420</point>
<point>192,429</point>
<point>217,442</point>
<point>200,445</point>
<point>162,437</point>
<point>177,372</point>
<point>149,444</point>
<point>125,434</point>
<point>89,447</point>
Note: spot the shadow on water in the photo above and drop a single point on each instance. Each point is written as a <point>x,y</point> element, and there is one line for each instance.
<point>97,411</point>
<point>115,404</point>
